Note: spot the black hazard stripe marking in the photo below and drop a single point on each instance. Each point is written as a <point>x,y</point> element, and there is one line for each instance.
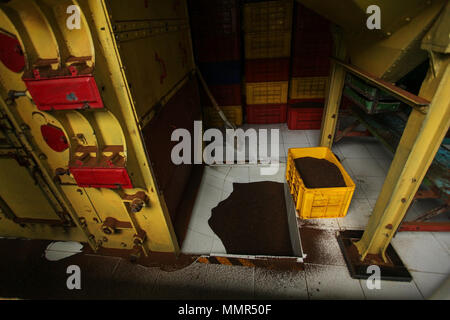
<point>229,261</point>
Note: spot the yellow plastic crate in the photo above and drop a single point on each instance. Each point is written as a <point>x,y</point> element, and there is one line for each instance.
<point>268,16</point>
<point>267,92</point>
<point>308,87</point>
<point>313,203</point>
<point>233,114</point>
<point>272,44</point>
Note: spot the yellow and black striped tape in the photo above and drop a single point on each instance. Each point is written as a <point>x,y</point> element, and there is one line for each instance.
<point>229,261</point>
<point>277,264</point>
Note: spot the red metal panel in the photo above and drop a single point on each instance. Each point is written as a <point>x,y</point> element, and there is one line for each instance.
<point>306,20</point>
<point>55,137</point>
<point>266,113</point>
<point>305,114</point>
<point>310,66</point>
<point>11,53</point>
<point>311,55</point>
<point>304,125</point>
<point>425,226</point>
<point>312,44</point>
<point>64,93</point>
<point>225,95</point>
<point>267,70</point>
<point>101,177</point>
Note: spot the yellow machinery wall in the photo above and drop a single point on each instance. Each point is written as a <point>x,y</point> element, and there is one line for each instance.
<point>140,54</point>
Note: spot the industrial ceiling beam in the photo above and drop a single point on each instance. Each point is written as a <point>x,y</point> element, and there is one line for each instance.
<point>391,51</point>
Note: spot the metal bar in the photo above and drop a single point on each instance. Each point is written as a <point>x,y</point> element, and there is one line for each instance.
<point>410,99</point>
<point>333,101</point>
<point>417,149</point>
<point>433,213</point>
<point>356,112</point>
<point>425,226</point>
<point>346,131</point>
<point>214,102</point>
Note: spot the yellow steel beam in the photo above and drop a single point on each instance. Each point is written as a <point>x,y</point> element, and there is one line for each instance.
<point>155,221</point>
<point>437,38</point>
<point>420,141</point>
<point>351,14</point>
<point>333,100</point>
<point>392,51</point>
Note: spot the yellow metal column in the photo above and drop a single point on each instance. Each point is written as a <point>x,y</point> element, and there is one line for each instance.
<point>416,151</point>
<point>333,101</point>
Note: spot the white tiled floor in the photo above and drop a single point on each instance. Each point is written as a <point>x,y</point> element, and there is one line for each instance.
<point>217,185</point>
<point>427,255</point>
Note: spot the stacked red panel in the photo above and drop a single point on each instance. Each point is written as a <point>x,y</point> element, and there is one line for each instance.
<point>216,38</point>
<point>267,70</point>
<point>266,113</point>
<point>225,95</point>
<point>267,29</point>
<point>215,30</point>
<point>312,44</point>
<point>305,114</point>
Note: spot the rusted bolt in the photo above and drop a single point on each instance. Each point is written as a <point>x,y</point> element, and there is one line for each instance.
<point>389,226</point>
<point>403,200</point>
<point>137,205</point>
<point>107,230</point>
<point>82,222</point>
<point>329,136</point>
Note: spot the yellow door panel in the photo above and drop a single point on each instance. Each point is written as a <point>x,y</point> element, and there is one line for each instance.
<point>21,193</point>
